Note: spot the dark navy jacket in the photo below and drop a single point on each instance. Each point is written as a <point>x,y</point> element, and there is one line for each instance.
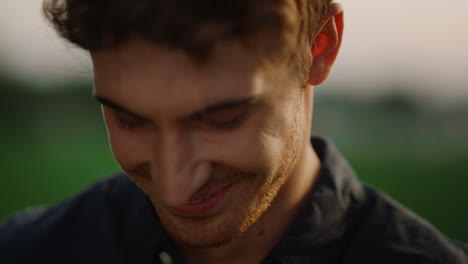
<point>344,222</point>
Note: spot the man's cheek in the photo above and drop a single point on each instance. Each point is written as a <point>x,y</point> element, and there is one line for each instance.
<point>128,153</point>
<point>257,148</point>
<point>251,154</point>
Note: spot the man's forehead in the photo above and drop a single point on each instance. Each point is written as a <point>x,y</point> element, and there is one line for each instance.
<point>153,78</point>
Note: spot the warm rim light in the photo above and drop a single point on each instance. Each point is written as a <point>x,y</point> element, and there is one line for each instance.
<point>410,41</point>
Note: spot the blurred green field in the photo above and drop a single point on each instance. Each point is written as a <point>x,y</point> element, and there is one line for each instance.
<point>54,144</point>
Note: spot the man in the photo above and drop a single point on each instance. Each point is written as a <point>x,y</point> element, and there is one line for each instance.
<point>208,106</point>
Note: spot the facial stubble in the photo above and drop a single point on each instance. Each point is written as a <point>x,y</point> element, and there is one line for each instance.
<point>220,229</point>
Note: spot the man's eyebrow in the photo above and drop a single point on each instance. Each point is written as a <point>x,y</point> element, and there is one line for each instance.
<point>108,102</point>
<point>223,105</point>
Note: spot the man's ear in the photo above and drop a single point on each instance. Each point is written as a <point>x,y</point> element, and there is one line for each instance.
<point>326,45</point>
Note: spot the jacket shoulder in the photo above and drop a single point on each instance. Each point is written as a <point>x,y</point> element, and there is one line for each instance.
<point>389,233</point>
<point>68,232</point>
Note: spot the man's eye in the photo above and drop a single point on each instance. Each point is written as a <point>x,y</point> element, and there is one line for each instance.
<point>127,123</point>
<point>226,119</point>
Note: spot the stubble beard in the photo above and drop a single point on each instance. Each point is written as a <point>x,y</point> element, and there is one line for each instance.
<point>225,227</point>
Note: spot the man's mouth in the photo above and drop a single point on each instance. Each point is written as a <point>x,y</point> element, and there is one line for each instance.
<point>205,203</point>
<point>206,196</point>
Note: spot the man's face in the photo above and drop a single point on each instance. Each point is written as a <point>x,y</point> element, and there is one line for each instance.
<point>210,144</point>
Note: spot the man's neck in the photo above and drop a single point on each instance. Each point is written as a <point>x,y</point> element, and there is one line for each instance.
<point>255,244</point>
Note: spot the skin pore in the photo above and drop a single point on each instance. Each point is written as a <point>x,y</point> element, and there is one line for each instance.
<point>233,128</point>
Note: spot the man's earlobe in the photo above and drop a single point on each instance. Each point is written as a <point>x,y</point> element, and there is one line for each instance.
<point>326,46</point>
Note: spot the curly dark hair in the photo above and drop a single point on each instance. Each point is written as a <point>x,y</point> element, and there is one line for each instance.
<point>191,25</point>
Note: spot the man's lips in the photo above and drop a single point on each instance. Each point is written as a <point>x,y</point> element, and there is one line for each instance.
<point>203,206</point>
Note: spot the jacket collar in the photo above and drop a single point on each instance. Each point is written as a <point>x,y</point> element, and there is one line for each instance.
<point>324,226</point>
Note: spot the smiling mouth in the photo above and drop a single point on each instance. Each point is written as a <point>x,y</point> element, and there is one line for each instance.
<point>208,196</point>
<point>205,205</point>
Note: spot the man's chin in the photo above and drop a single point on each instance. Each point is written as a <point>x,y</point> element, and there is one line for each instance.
<point>202,233</point>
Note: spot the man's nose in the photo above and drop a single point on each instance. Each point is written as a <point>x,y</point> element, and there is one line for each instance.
<point>181,170</point>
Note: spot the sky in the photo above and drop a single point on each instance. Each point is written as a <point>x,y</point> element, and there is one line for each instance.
<point>419,46</point>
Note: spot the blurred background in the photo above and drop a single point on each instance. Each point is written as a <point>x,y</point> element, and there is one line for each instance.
<point>396,105</point>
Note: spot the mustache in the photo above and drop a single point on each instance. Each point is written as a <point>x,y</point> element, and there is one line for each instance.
<point>222,176</point>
